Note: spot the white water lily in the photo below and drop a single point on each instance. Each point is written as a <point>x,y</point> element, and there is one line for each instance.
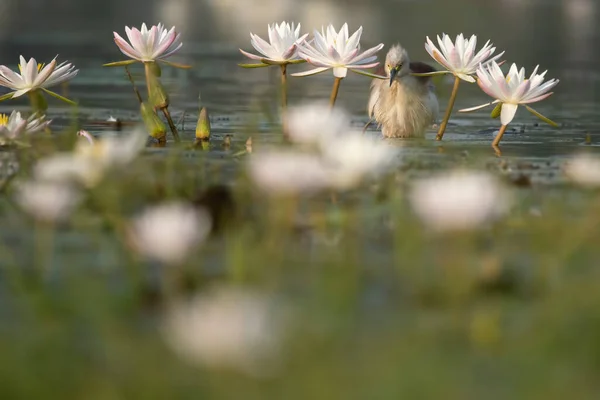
<point>88,162</point>
<point>460,57</point>
<point>282,46</point>
<point>47,201</point>
<point>13,127</point>
<point>226,328</point>
<point>34,76</point>
<point>169,232</point>
<point>336,50</point>
<point>584,170</point>
<point>513,89</point>
<point>288,172</point>
<point>459,200</point>
<point>149,45</point>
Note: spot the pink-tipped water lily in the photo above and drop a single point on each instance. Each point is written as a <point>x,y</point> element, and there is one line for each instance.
<point>460,57</point>
<point>34,76</point>
<point>282,47</point>
<point>148,45</point>
<point>338,51</point>
<point>512,90</point>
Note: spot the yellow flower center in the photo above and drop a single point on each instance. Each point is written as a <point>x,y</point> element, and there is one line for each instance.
<point>3,119</point>
<point>39,68</point>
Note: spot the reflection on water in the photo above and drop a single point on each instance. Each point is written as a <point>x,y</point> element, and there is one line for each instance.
<point>557,34</point>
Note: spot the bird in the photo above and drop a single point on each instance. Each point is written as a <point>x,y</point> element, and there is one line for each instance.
<point>403,105</point>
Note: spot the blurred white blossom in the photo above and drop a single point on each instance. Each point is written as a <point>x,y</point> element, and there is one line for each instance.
<point>584,170</point>
<point>14,127</point>
<point>169,233</point>
<point>226,328</point>
<point>47,201</point>
<point>287,172</point>
<point>459,200</point>
<point>315,122</point>
<point>90,160</point>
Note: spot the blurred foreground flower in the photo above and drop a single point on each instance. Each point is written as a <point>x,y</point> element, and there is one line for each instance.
<point>226,328</point>
<point>168,233</point>
<point>459,200</point>
<point>335,50</point>
<point>47,201</point>
<point>584,169</point>
<point>461,60</point>
<point>148,45</point>
<point>512,91</point>
<point>340,158</point>
<point>14,127</point>
<point>89,161</point>
<point>35,78</point>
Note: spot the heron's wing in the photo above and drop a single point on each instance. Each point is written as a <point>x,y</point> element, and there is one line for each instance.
<point>422,68</point>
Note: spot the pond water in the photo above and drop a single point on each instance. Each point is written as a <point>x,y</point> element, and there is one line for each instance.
<point>557,34</point>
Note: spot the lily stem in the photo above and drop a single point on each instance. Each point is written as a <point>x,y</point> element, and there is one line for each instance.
<point>135,89</point>
<point>284,92</point>
<point>444,123</point>
<point>167,114</point>
<point>334,91</point>
<point>498,137</point>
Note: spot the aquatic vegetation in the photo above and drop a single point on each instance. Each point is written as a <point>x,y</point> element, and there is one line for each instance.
<point>14,128</point>
<point>512,91</point>
<point>459,200</point>
<point>34,79</point>
<point>334,50</point>
<point>460,59</point>
<point>169,232</point>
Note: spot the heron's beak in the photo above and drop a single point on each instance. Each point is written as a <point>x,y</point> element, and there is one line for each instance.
<point>393,73</point>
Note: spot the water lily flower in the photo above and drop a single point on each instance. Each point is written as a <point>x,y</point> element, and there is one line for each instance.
<point>512,90</point>
<point>47,201</point>
<point>584,169</point>
<point>227,328</point>
<point>34,77</point>
<point>169,232</point>
<point>282,47</point>
<point>13,127</point>
<point>148,45</point>
<point>459,200</point>
<point>335,50</point>
<point>311,123</point>
<point>460,59</point>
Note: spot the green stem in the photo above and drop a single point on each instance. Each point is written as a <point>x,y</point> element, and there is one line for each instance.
<point>38,102</point>
<point>165,111</point>
<point>334,91</point>
<point>444,123</point>
<point>498,137</point>
<point>284,92</point>
<point>136,91</point>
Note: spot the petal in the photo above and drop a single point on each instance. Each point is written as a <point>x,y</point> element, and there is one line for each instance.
<point>536,99</point>
<point>126,48</point>
<point>466,77</point>
<point>45,73</point>
<point>250,55</point>
<point>311,72</point>
<point>508,113</point>
<point>471,109</point>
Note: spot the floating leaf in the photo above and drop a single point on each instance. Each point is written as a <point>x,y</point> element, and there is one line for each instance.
<point>6,96</point>
<point>120,63</point>
<point>58,96</point>
<point>540,116</point>
<point>253,65</point>
<point>370,75</point>
<point>176,65</point>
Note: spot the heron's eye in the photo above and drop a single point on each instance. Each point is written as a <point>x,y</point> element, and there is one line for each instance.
<point>398,67</point>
